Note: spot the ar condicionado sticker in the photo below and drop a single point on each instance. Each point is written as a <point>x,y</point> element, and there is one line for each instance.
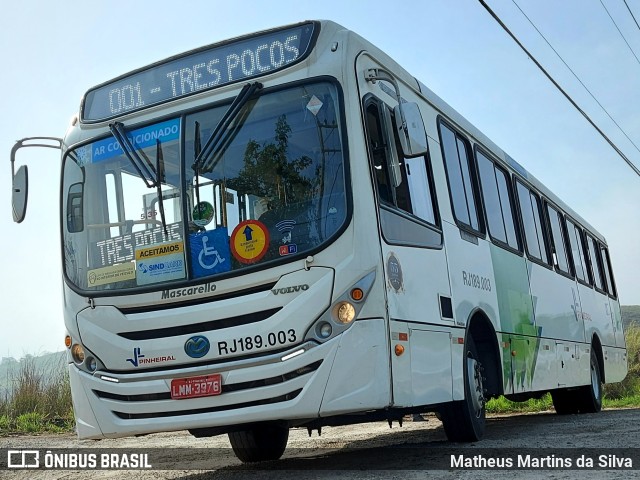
<point>249,241</point>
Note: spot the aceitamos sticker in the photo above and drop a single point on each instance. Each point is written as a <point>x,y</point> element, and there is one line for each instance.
<point>160,263</point>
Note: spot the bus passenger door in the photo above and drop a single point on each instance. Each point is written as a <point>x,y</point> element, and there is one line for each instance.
<point>418,291</point>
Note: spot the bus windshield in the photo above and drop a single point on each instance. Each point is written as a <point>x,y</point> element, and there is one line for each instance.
<point>272,190</point>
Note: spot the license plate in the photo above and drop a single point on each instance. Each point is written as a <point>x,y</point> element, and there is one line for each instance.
<point>203,386</point>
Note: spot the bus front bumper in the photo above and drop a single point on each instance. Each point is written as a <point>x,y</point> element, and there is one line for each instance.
<point>274,388</point>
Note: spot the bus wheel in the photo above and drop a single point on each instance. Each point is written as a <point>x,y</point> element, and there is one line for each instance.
<point>464,421</point>
<point>591,395</point>
<point>262,442</point>
<point>565,401</point>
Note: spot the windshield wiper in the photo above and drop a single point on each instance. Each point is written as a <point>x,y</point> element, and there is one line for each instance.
<point>160,178</point>
<point>145,168</point>
<point>205,156</point>
<point>197,148</point>
<point>151,175</point>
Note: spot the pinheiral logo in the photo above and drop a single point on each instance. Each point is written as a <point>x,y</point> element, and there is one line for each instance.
<point>197,347</point>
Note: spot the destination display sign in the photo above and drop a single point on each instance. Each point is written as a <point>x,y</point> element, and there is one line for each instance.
<point>198,70</point>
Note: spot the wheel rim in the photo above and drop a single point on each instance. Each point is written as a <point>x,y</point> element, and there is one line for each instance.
<point>476,388</point>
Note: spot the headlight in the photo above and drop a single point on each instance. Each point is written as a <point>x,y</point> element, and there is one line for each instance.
<point>83,358</point>
<point>341,314</point>
<point>77,352</point>
<point>344,312</point>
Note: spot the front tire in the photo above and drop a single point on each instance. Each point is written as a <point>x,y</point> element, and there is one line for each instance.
<point>464,421</point>
<point>261,442</point>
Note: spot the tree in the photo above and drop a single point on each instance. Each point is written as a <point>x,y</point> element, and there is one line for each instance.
<point>270,174</point>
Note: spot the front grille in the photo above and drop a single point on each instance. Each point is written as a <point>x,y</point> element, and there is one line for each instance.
<point>235,387</point>
<point>196,411</point>
<point>219,324</point>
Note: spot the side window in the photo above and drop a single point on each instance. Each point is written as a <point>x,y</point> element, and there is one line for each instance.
<point>497,201</point>
<point>577,251</point>
<point>532,223</point>
<point>596,263</point>
<point>403,183</point>
<point>420,189</point>
<point>608,273</point>
<point>378,147</point>
<point>558,244</point>
<point>456,153</point>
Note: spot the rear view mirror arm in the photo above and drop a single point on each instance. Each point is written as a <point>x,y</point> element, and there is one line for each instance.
<point>22,143</point>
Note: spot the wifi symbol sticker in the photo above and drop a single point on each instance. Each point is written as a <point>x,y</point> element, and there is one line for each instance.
<point>285,227</point>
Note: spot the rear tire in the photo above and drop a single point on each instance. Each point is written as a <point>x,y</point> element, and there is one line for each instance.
<point>262,442</point>
<point>566,402</point>
<point>464,421</point>
<point>587,399</point>
<point>591,395</point>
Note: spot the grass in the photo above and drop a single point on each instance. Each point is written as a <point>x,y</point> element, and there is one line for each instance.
<point>502,405</point>
<point>38,400</point>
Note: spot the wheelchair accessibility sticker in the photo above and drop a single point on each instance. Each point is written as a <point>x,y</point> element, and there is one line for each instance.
<point>249,241</point>
<point>210,252</point>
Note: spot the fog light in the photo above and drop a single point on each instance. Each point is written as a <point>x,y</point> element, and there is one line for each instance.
<point>324,330</point>
<point>91,363</point>
<point>345,312</point>
<point>77,352</point>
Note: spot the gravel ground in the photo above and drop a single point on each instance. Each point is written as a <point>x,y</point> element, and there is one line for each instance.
<point>368,451</point>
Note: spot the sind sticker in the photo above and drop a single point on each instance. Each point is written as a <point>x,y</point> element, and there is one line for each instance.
<point>160,262</point>
<point>111,274</point>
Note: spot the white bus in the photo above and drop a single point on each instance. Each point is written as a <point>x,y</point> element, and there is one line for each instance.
<point>287,230</point>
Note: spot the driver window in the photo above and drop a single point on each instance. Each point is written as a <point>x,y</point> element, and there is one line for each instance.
<point>402,183</point>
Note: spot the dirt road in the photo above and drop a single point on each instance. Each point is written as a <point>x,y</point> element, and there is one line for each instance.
<point>375,451</point>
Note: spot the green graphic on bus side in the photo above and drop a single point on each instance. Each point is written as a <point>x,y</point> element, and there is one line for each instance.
<point>521,337</point>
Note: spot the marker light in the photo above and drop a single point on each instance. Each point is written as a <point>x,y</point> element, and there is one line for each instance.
<point>67,341</point>
<point>357,294</point>
<point>345,312</point>
<point>77,352</point>
<point>399,350</point>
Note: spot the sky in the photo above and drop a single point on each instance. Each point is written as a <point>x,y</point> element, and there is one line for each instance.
<point>53,52</point>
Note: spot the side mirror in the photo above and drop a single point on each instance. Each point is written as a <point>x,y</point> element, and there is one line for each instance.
<point>20,179</point>
<point>410,127</point>
<point>19,193</point>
